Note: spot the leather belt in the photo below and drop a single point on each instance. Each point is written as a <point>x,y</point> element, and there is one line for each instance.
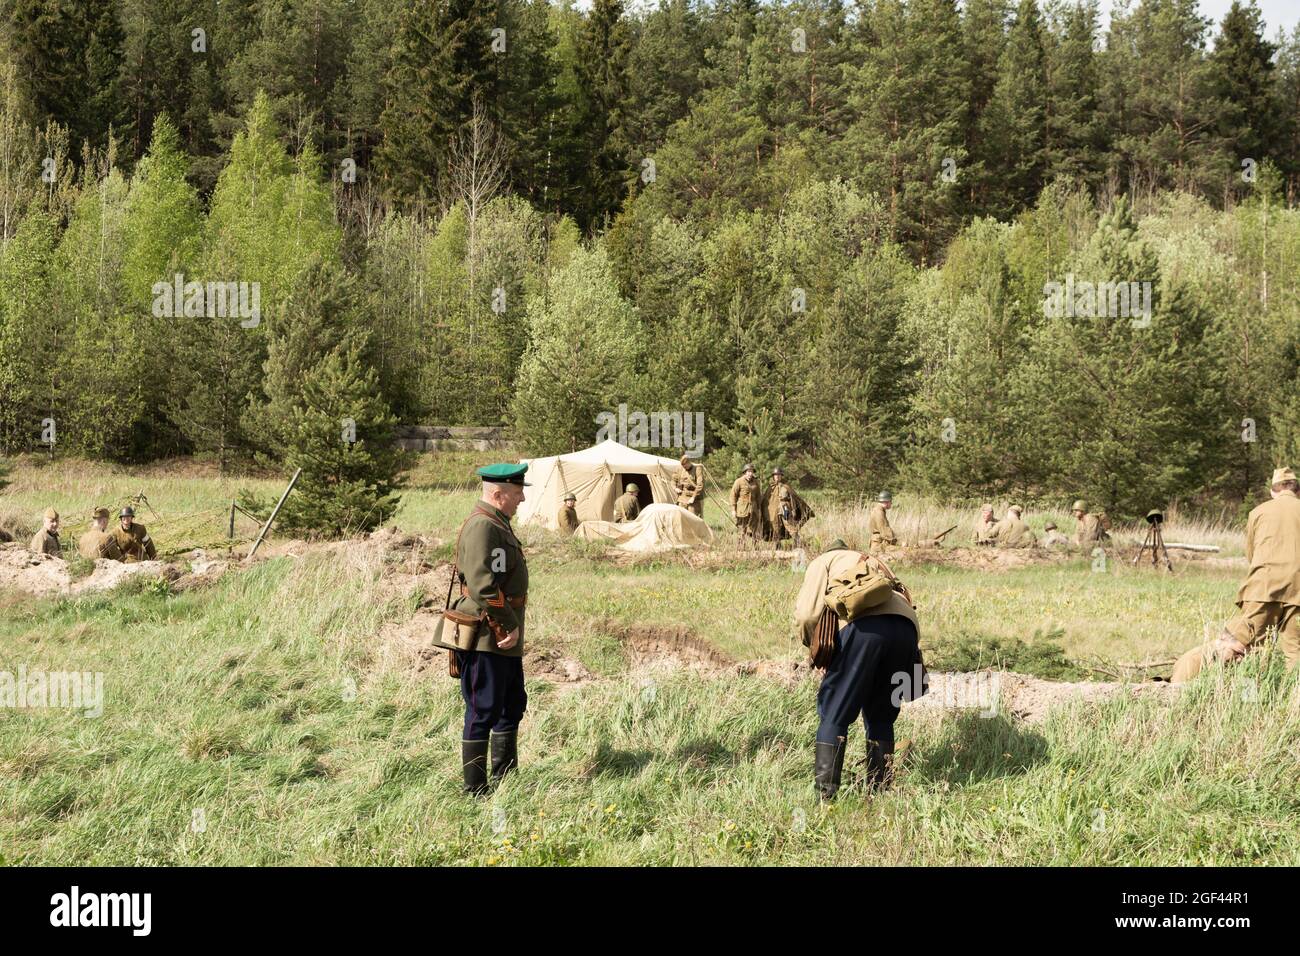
<point>514,602</point>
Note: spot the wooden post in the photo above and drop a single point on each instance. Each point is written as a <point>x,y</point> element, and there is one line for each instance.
<point>231,533</point>
<point>267,527</point>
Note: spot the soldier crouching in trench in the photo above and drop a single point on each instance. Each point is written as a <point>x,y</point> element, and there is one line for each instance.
<point>483,628</point>
<point>874,664</point>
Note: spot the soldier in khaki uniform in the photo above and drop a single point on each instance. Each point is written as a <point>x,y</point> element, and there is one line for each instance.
<point>1012,532</point>
<point>46,541</point>
<point>882,535</point>
<point>1052,538</point>
<point>746,503</point>
<point>1270,595</point>
<point>97,542</point>
<point>688,483</point>
<point>873,654</point>
<point>984,525</point>
<point>568,516</point>
<point>1089,530</point>
<point>133,539</point>
<point>488,651</point>
<point>785,511</point>
<point>627,507</point>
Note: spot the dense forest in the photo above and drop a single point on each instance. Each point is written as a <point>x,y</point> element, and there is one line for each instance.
<point>830,228</point>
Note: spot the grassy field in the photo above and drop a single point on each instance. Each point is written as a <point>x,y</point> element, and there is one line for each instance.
<point>262,720</point>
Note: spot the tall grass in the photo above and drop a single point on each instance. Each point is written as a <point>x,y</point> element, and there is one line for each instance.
<point>262,722</point>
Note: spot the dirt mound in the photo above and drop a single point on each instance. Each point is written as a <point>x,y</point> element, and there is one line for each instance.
<point>1030,699</point>
<point>670,648</point>
<point>42,574</point>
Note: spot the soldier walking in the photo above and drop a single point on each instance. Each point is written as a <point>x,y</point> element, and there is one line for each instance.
<point>488,647</point>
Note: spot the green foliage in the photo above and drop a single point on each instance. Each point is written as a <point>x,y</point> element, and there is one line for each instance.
<point>582,357</point>
<point>1041,656</point>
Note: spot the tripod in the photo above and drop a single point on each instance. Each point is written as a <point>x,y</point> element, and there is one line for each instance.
<point>1155,540</point>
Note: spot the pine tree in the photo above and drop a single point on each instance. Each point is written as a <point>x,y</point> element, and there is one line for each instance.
<point>336,428</point>
<point>1243,81</point>
<point>1016,119</point>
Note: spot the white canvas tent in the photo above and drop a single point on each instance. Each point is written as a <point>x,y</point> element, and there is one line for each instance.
<point>596,476</point>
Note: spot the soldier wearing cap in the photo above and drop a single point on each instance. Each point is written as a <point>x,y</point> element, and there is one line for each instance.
<point>97,542</point>
<point>984,525</point>
<point>492,577</point>
<point>1012,532</point>
<point>46,541</point>
<point>785,511</point>
<point>132,539</point>
<point>1089,530</point>
<point>567,519</point>
<point>1270,595</point>
<point>746,495</point>
<point>627,507</point>
<point>882,535</point>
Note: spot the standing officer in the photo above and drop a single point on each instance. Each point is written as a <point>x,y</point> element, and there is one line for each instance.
<point>627,507</point>
<point>46,541</point>
<point>489,651</point>
<point>745,497</point>
<point>882,535</point>
<point>133,539</point>
<point>1270,595</point>
<point>875,655</point>
<point>688,482</point>
<point>567,519</point>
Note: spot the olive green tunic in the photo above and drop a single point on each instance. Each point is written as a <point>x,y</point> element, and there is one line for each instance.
<point>493,578</point>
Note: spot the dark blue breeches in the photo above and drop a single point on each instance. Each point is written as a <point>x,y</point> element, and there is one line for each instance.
<point>493,688</point>
<point>873,655</point>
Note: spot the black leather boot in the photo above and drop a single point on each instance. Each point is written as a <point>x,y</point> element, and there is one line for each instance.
<point>880,765</point>
<point>829,767</point>
<point>473,756</point>
<point>505,753</point>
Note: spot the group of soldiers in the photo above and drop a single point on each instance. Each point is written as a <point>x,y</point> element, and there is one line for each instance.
<point>128,542</point>
<point>1013,532</point>
<point>775,515</point>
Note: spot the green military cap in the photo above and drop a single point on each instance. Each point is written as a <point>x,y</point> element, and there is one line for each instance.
<point>884,496</point>
<point>837,545</point>
<point>504,473</point>
<point>1079,505</point>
